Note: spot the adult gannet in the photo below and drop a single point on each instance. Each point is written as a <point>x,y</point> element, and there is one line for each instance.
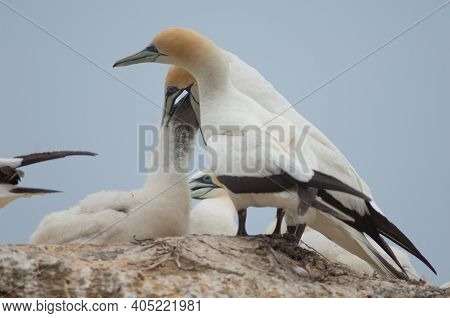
<point>234,116</point>
<point>215,214</point>
<point>329,160</point>
<point>10,175</point>
<point>280,170</point>
<point>161,208</point>
<point>217,209</point>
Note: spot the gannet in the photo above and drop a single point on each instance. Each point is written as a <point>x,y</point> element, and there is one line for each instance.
<point>280,170</point>
<point>215,214</point>
<point>312,239</point>
<point>10,175</point>
<point>160,208</point>
<point>232,113</point>
<point>217,205</point>
<point>329,159</point>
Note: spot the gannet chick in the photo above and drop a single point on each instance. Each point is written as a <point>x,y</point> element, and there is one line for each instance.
<point>215,214</point>
<point>10,175</point>
<point>161,208</point>
<point>278,174</point>
<point>314,240</point>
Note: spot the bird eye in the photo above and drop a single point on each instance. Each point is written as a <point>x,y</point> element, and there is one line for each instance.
<point>171,90</point>
<point>207,179</point>
<point>152,48</point>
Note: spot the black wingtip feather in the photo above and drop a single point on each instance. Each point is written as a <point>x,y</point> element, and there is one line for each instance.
<point>385,246</point>
<point>324,181</point>
<point>374,224</point>
<point>45,156</point>
<point>392,232</point>
<point>400,275</point>
<point>23,190</point>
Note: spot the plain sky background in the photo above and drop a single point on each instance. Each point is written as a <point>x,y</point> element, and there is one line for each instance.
<point>389,114</point>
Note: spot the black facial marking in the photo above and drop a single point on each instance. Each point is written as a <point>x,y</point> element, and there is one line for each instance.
<point>152,48</point>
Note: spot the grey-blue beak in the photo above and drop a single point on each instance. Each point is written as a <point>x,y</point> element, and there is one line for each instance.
<point>147,55</point>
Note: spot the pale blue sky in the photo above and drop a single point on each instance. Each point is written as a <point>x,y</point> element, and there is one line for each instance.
<point>388,115</point>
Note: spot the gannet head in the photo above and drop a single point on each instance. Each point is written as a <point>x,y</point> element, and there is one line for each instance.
<point>204,185</point>
<point>177,46</point>
<point>181,97</point>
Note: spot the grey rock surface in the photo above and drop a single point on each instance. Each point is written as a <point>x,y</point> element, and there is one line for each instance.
<point>192,266</point>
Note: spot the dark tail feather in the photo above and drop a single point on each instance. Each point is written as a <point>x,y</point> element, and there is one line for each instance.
<point>323,181</point>
<point>44,156</point>
<point>348,219</point>
<point>362,223</point>
<point>392,232</point>
<point>373,224</point>
<point>382,243</point>
<point>388,266</point>
<point>23,190</point>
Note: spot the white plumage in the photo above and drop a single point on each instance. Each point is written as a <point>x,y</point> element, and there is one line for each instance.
<point>160,208</point>
<point>215,214</point>
<point>249,137</point>
<point>118,217</point>
<point>327,157</point>
<point>10,162</point>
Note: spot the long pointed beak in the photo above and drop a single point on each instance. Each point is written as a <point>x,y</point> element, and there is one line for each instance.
<point>199,190</point>
<point>197,184</point>
<point>144,56</point>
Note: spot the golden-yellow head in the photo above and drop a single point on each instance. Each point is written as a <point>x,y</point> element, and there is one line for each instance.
<point>181,97</point>
<point>176,46</point>
<point>179,78</point>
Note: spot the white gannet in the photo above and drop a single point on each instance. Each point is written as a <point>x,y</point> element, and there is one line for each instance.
<point>314,240</point>
<point>215,214</point>
<point>216,209</point>
<point>280,168</point>
<point>10,175</point>
<point>330,160</point>
<point>161,208</point>
<point>234,116</point>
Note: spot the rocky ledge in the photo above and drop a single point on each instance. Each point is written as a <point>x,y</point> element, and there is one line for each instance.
<point>192,266</point>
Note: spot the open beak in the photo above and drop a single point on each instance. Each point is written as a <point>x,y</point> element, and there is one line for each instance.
<point>147,55</point>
